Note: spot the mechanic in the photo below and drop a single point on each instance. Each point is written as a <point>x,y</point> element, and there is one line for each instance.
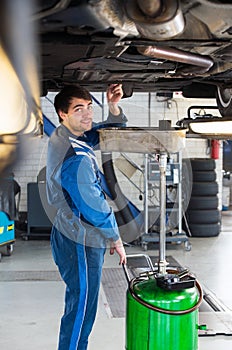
<point>84,223</point>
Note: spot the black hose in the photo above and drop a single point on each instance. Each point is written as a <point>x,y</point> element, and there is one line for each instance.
<point>161,310</point>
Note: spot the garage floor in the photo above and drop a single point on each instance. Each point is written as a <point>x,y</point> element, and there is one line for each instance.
<point>31,293</point>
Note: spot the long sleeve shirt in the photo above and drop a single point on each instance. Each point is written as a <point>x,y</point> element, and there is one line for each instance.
<point>74,186</point>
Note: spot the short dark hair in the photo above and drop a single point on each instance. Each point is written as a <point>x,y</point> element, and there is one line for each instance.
<point>63,99</point>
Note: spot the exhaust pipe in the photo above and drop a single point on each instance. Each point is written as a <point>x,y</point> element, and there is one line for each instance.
<point>176,55</point>
<point>150,8</point>
<point>156,19</point>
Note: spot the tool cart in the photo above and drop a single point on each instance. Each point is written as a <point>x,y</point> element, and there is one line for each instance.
<point>163,188</point>
<point>7,234</point>
<point>9,190</point>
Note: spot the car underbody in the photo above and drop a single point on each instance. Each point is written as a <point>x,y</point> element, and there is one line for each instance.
<point>146,45</point>
<point>149,46</point>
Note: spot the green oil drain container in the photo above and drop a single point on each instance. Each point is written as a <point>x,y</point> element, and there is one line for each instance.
<point>159,318</point>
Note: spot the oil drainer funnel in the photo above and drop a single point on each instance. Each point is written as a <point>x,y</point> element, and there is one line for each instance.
<point>162,314</point>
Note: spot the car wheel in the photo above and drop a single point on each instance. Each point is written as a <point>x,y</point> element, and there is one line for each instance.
<point>205,230</point>
<point>203,164</point>
<point>203,216</point>
<point>205,189</point>
<point>204,176</point>
<point>224,101</point>
<point>203,202</point>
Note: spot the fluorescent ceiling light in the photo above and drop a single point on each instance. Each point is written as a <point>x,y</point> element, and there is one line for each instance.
<point>214,128</point>
<point>19,113</point>
<point>13,117</point>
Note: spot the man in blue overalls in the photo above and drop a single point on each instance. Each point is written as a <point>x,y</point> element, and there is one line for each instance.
<point>84,221</point>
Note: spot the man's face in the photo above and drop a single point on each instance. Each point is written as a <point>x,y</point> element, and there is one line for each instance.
<point>79,117</point>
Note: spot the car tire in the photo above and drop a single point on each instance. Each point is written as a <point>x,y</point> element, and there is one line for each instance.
<point>204,188</point>
<point>205,230</point>
<point>203,202</point>
<point>224,101</point>
<point>204,176</point>
<point>202,164</point>
<point>203,216</point>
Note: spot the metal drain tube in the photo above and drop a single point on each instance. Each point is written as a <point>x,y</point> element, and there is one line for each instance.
<point>172,54</point>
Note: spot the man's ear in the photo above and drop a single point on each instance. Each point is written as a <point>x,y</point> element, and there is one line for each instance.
<point>62,114</point>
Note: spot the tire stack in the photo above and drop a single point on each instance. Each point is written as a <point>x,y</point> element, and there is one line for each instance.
<point>203,215</point>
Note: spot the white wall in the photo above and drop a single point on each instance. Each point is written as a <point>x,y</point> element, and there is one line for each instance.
<point>137,110</point>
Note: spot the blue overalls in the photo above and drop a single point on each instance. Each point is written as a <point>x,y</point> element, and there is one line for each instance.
<point>82,226</point>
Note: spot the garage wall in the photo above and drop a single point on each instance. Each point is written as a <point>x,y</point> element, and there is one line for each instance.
<point>141,109</point>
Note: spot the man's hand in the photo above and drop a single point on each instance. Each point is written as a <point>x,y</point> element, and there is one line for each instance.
<point>118,247</point>
<point>114,94</point>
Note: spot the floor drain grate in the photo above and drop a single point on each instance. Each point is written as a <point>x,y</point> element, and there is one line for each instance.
<point>15,276</point>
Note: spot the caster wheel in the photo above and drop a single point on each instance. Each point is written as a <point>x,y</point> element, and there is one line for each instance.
<point>7,250</point>
<point>144,245</point>
<point>188,246</point>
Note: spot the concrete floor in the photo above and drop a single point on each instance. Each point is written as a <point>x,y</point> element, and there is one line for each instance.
<point>31,309</point>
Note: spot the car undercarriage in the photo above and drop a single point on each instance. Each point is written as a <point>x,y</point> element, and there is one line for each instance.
<point>147,45</point>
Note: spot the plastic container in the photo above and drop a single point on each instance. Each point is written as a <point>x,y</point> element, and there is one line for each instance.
<point>161,319</point>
